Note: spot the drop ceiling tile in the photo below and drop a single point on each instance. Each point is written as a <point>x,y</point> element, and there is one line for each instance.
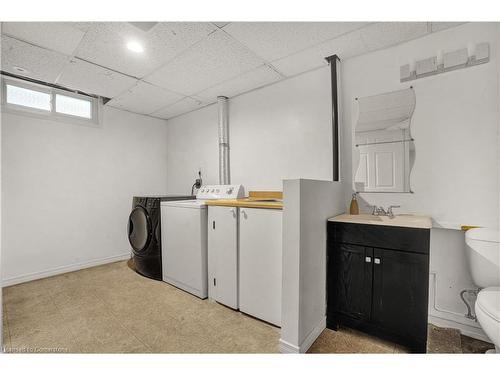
<point>93,79</point>
<point>274,40</point>
<point>105,44</point>
<point>83,25</point>
<point>182,106</point>
<point>57,36</point>
<point>144,98</point>
<point>438,26</point>
<point>243,83</point>
<point>40,63</point>
<point>144,26</point>
<point>202,100</point>
<point>215,59</point>
<point>220,25</point>
<point>345,46</point>
<point>385,34</point>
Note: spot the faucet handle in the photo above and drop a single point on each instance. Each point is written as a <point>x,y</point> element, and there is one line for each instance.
<point>378,211</point>
<point>389,210</point>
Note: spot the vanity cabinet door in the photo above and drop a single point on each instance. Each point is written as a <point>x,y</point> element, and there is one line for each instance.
<point>350,280</point>
<point>400,293</point>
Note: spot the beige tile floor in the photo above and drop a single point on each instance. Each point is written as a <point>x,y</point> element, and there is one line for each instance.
<point>111,309</point>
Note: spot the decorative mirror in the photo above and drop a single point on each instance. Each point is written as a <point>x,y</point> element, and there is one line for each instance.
<point>384,148</point>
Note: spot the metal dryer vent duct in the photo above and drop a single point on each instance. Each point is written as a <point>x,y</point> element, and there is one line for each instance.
<point>224,177</point>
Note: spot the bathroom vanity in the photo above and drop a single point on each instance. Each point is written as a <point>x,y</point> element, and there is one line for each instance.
<point>378,276</point>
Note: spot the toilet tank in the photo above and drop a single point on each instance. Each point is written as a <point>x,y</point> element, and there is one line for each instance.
<point>483,255</point>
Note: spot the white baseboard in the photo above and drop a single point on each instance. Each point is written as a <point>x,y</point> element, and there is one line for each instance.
<point>286,347</point>
<point>63,269</point>
<point>467,330</point>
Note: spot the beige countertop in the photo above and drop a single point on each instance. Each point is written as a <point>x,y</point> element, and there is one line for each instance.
<point>250,202</point>
<point>408,221</point>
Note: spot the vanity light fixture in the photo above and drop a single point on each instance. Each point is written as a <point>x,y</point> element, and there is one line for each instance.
<point>452,60</point>
<point>135,46</point>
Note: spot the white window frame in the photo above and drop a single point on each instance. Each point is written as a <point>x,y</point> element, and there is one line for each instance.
<point>96,106</point>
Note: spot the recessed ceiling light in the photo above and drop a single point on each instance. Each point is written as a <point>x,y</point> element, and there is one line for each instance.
<point>135,46</point>
<point>20,70</point>
<point>144,26</point>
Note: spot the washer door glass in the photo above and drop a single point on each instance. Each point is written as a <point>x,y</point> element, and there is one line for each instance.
<point>139,229</point>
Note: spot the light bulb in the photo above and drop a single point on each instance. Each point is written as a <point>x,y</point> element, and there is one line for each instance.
<point>135,46</point>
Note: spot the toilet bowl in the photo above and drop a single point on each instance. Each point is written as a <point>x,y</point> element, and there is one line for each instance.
<point>483,255</point>
<point>488,313</point>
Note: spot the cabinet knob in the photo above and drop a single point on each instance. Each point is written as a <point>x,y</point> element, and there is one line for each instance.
<point>368,259</point>
<point>377,261</point>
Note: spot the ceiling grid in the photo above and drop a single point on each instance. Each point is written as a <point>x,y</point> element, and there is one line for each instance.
<point>186,65</point>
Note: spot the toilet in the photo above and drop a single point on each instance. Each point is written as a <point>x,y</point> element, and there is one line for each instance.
<point>483,255</point>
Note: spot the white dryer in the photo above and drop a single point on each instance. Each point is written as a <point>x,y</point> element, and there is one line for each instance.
<point>184,238</point>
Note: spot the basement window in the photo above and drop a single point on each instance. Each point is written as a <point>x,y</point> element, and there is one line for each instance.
<point>73,106</point>
<point>27,98</point>
<point>48,102</point>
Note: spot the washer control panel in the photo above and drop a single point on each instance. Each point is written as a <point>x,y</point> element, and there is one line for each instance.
<point>221,192</point>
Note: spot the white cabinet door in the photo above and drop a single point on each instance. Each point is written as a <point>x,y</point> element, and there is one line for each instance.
<point>260,263</point>
<point>223,255</point>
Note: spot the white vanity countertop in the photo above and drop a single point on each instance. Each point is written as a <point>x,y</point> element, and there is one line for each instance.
<point>408,221</point>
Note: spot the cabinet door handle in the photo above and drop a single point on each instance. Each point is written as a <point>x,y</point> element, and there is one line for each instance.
<point>368,259</point>
<point>377,261</point>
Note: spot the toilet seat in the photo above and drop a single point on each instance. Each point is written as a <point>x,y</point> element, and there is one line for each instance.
<point>488,300</point>
<point>488,312</point>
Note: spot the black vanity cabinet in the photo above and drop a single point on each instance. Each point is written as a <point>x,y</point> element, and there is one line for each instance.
<point>378,281</point>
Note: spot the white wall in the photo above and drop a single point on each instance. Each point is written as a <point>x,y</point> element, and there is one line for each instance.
<point>456,174</point>
<point>67,189</point>
<point>1,291</point>
<point>307,206</point>
<point>192,144</point>
<point>282,131</point>
<point>455,126</point>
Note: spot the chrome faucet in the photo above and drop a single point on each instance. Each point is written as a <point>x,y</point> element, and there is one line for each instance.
<point>380,211</point>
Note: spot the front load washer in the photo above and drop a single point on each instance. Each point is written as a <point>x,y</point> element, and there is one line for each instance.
<point>184,238</point>
<point>144,233</point>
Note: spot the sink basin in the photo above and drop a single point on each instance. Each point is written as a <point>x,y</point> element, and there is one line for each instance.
<point>404,220</point>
